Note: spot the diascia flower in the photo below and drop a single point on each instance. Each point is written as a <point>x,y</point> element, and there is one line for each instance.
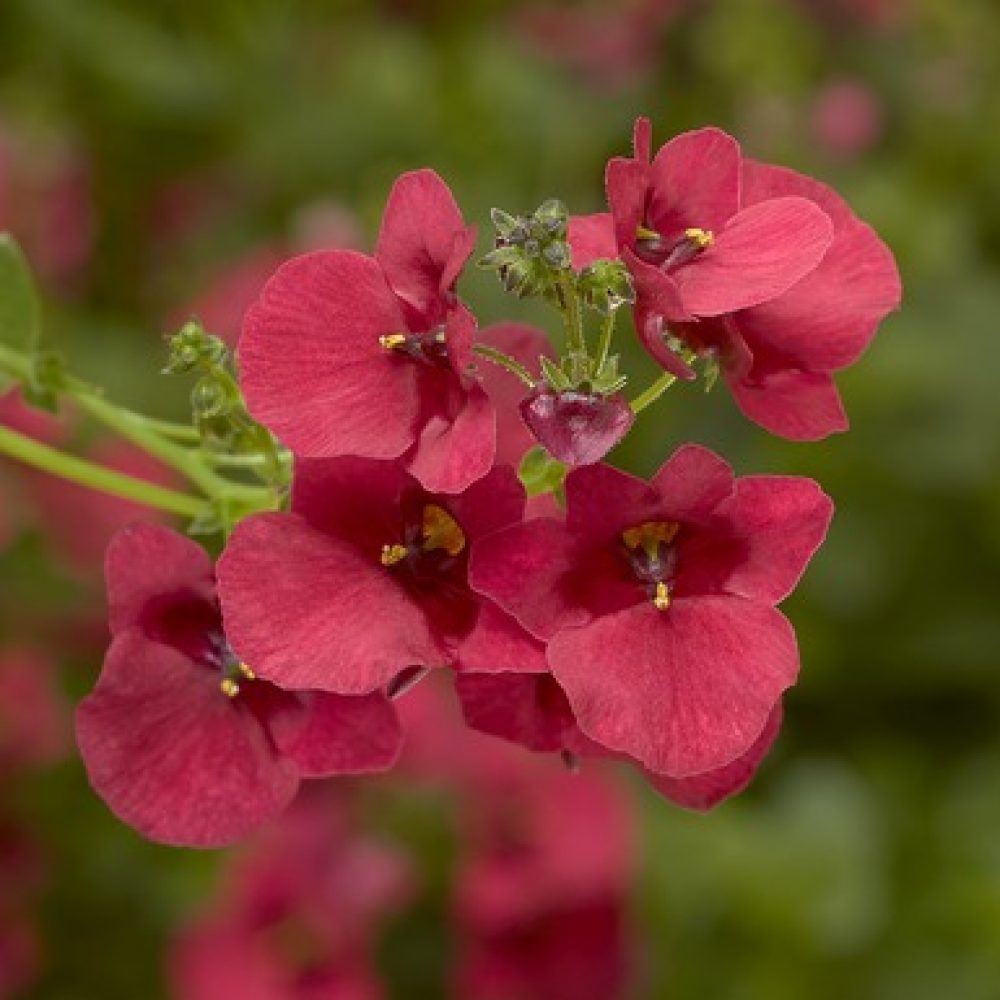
<point>366,579</point>
<point>345,354</point>
<point>693,247</point>
<point>656,601</point>
<point>179,737</point>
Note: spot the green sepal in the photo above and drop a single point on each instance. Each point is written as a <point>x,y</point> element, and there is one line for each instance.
<point>540,473</point>
<point>20,312</point>
<point>554,375</point>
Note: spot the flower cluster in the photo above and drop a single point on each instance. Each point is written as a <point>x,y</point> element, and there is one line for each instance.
<point>450,507</point>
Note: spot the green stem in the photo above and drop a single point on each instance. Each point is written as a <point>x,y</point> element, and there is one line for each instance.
<point>504,361</point>
<point>653,393</point>
<point>570,308</point>
<point>604,343</point>
<point>98,477</point>
<point>245,461</point>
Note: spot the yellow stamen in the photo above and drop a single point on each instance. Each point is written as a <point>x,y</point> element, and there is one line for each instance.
<point>661,600</point>
<point>441,530</point>
<point>247,672</point>
<point>229,687</point>
<point>643,233</point>
<point>650,535</point>
<point>701,238</point>
<point>392,554</point>
<point>392,340</point>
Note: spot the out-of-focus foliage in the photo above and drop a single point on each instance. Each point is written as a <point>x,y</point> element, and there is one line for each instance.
<point>150,151</point>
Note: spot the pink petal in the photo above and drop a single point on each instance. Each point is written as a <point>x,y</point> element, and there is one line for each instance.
<point>327,734</point>
<point>311,365</point>
<point>310,612</point>
<point>626,182</point>
<point>695,182</point>
<point>171,755</point>
<point>642,140</point>
<point>491,503</point>
<point>683,691</point>
<point>762,252</point>
<point>497,644</point>
<point>524,569</point>
<point>592,237</point>
<point>692,483</point>
<point>602,501</point>
<point>801,406</point>
<point>705,791</point>
<point>146,562</point>
<point>529,709</point>
<point>780,522</point>
<point>450,454</point>
<point>423,243</point>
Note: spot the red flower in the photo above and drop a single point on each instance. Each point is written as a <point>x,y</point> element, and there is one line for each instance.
<point>345,354</point>
<point>657,603</point>
<point>179,737</point>
<point>366,578</point>
<point>297,915</point>
<point>693,247</point>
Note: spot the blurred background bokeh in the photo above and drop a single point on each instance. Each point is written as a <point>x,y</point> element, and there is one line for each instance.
<point>158,158</point>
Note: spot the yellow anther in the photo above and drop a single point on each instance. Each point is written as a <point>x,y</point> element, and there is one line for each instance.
<point>392,554</point>
<point>643,233</point>
<point>661,599</point>
<point>441,530</point>
<point>247,672</point>
<point>229,687</point>
<point>650,535</point>
<point>392,340</point>
<point>701,238</point>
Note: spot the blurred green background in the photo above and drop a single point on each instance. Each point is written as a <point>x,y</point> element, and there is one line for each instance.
<point>865,861</point>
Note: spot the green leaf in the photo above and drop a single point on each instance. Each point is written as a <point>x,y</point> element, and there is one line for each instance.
<point>20,314</point>
<point>541,473</point>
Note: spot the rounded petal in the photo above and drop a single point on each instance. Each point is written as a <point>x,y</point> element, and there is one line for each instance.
<point>489,504</point>
<point>705,791</point>
<point>602,501</point>
<point>328,734</point>
<point>592,237</point>
<point>764,536</point>
<point>692,483</point>
<point>525,569</point>
<point>800,406</point>
<point>683,691</point>
<point>312,368</point>
<point>423,242</point>
<point>310,612</point>
<point>171,755</point>
<point>695,182</point>
<point>147,562</point>
<point>451,454</point>
<point>762,252</point>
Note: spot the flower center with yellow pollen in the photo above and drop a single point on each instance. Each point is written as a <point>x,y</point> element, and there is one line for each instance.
<point>431,544</point>
<point>431,347</point>
<point>652,557</point>
<point>651,247</point>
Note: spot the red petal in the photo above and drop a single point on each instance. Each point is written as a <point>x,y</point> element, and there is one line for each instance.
<point>705,791</point>
<point>642,140</point>
<point>423,243</point>
<point>695,182</point>
<point>692,483</point>
<point>626,182</point>
<point>802,406</point>
<point>311,365</point>
<point>524,569</point>
<point>762,252</point>
<point>498,644</point>
<point>310,612</point>
<point>171,755</point>
<point>147,561</point>
<point>602,501</point>
<point>684,691</point>
<point>327,734</point>
<point>592,237</point>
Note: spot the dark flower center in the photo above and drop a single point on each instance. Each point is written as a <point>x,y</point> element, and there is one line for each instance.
<point>431,347</point>
<point>651,556</point>
<point>651,246</point>
<point>431,561</point>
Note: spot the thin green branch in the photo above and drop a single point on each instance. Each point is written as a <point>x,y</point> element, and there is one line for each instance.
<point>653,393</point>
<point>504,361</point>
<point>98,477</point>
<point>604,341</point>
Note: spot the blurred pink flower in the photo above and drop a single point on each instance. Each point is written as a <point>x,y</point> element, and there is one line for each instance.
<point>34,720</point>
<point>846,118</point>
<point>296,915</point>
